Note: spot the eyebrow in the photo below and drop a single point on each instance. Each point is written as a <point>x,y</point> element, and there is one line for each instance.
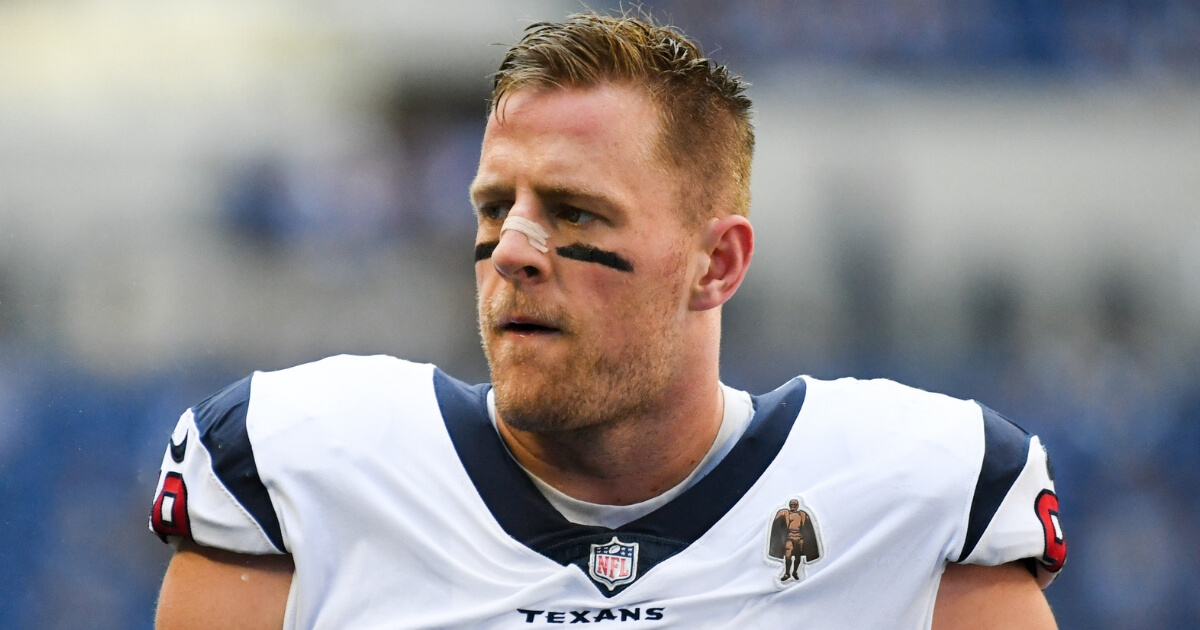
<point>605,202</point>
<point>574,251</point>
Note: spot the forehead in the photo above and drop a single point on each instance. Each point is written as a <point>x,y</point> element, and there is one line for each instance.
<point>603,136</point>
<point>584,113</point>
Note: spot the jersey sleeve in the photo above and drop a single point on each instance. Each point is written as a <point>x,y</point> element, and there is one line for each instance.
<point>1014,510</point>
<point>209,490</point>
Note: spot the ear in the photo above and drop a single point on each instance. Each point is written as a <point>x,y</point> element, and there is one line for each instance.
<point>728,244</point>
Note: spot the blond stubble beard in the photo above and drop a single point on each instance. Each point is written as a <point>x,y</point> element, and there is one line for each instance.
<point>589,388</point>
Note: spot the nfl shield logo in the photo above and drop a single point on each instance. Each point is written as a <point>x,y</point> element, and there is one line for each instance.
<point>613,563</point>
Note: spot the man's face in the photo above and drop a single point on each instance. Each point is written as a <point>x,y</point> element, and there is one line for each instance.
<point>579,336</point>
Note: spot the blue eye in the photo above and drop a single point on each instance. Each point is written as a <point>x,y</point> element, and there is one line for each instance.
<point>495,211</point>
<point>575,215</point>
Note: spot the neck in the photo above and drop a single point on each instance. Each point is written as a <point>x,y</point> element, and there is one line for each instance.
<point>628,461</point>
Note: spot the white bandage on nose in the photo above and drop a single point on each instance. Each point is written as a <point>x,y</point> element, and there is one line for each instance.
<point>533,231</point>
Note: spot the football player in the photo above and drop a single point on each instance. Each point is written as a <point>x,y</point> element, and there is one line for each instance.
<point>606,475</point>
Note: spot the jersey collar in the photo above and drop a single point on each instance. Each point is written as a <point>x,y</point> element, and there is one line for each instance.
<point>525,514</point>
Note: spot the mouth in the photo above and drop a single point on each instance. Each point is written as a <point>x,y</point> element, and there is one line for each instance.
<point>526,326</point>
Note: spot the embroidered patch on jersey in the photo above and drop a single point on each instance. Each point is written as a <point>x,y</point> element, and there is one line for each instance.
<point>793,540</point>
<point>613,563</point>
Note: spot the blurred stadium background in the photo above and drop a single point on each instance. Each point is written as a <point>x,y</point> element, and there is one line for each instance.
<point>997,199</point>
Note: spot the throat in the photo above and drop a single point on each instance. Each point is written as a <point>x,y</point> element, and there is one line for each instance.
<point>610,508</point>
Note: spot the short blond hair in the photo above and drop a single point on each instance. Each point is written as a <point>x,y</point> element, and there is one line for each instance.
<point>703,109</point>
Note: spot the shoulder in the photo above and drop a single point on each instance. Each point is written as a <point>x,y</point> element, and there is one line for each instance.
<point>345,375</point>
<point>994,476</point>
<point>962,440</point>
<point>265,403</point>
<point>349,368</point>
<point>320,382</point>
<point>886,399</point>
<point>882,406</point>
<point>903,421</point>
<point>233,454</point>
<point>895,448</point>
<point>344,387</point>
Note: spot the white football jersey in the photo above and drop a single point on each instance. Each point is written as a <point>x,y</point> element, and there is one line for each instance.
<point>402,508</point>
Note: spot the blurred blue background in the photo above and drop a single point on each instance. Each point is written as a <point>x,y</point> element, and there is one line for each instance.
<point>997,199</point>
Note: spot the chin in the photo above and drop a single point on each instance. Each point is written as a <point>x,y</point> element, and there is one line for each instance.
<point>532,398</point>
<point>569,397</point>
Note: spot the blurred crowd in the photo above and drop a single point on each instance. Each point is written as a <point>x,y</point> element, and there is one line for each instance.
<point>1116,400</point>
<point>1085,38</point>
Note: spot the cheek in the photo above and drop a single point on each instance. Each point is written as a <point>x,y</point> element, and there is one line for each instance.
<point>488,286</point>
<point>641,300</point>
<point>664,280</point>
<point>486,278</point>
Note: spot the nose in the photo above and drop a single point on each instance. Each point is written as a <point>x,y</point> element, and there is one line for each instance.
<point>520,255</point>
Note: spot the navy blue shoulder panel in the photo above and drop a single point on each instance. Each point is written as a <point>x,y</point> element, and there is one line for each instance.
<point>1006,449</point>
<point>525,514</point>
<point>221,420</point>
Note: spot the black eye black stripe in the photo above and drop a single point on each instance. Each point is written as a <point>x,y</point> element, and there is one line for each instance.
<point>484,250</point>
<point>587,253</point>
<point>574,251</point>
